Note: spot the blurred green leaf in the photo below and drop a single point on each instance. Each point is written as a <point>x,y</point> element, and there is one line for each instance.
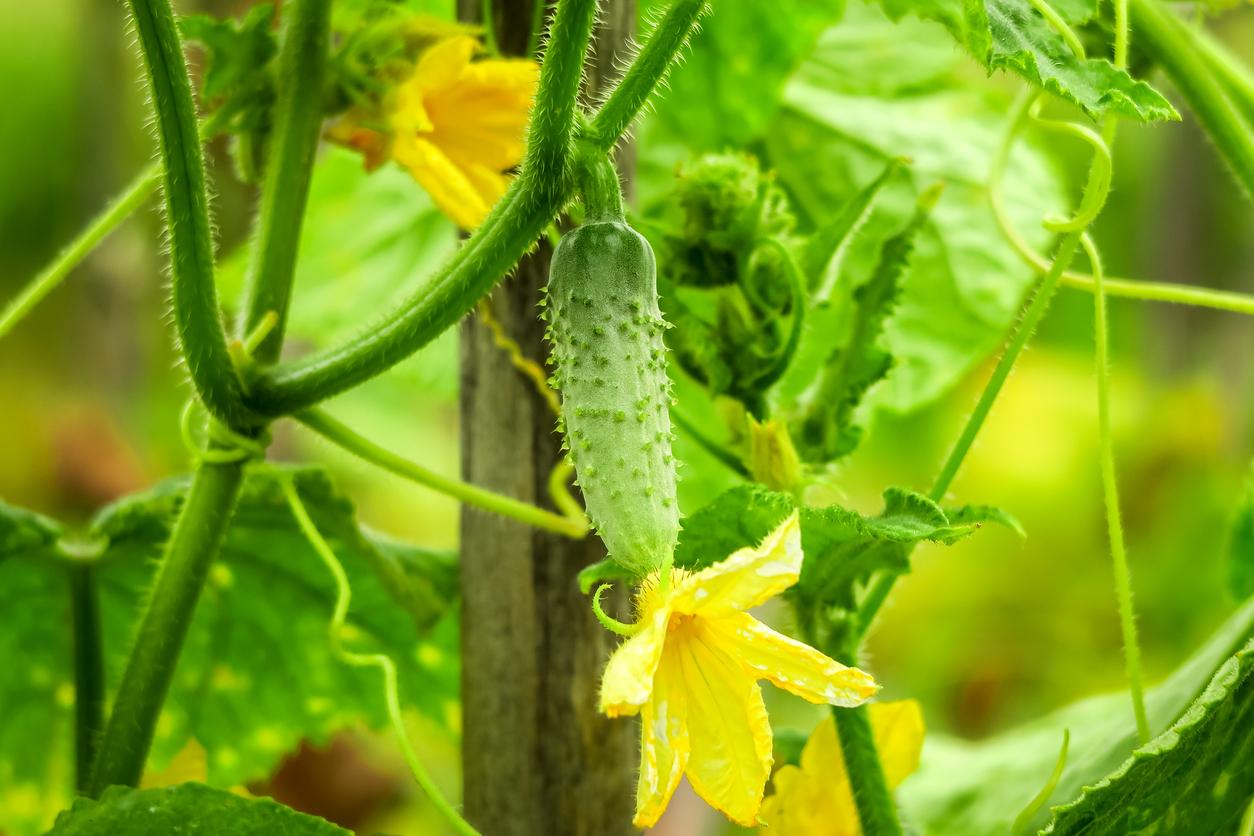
<point>1195,779</point>
<point>238,51</point>
<point>255,677</point>
<point>828,429</point>
<point>976,789</point>
<point>36,693</point>
<point>978,514</point>
<point>737,67</point>
<point>24,532</point>
<point>186,808</point>
<point>238,81</point>
<point>837,132</point>
<point>1241,543</point>
<point>1011,35</point>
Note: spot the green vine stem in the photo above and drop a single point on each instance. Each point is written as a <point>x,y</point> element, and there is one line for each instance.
<point>204,517</point>
<point>197,317</point>
<point>871,795</point>
<point>879,589</point>
<point>194,543</point>
<point>1234,77</point>
<point>646,73</point>
<point>544,172</point>
<point>1024,819</point>
<point>597,180</point>
<point>89,672</point>
<point>1169,42</point>
<point>1018,341</point>
<point>339,617</point>
<point>294,141</point>
<point>512,227</point>
<point>1125,288</point>
<point>131,198</point>
<point>343,436</point>
<point>1110,490</point>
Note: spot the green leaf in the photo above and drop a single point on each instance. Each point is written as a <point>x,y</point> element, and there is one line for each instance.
<point>841,546</point>
<point>740,517</point>
<point>828,429</point>
<point>823,250</point>
<point>837,132</point>
<point>1011,35</point>
<point>24,532</point>
<point>255,677</point>
<point>979,514</point>
<point>736,68</point>
<point>238,51</point>
<point>1192,780</point>
<point>844,548</point>
<point>186,808</point>
<point>1241,543</point>
<point>976,789</point>
<point>37,691</point>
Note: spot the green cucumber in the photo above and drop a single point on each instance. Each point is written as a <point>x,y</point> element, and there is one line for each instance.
<point>605,331</point>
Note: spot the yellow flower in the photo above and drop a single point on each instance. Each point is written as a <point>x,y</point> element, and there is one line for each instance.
<point>692,670</point>
<point>815,799</point>
<point>457,125</point>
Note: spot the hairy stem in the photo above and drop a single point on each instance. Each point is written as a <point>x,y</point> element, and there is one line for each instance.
<point>136,192</point>
<point>513,226</point>
<point>597,180</point>
<point>557,99</point>
<point>197,317</point>
<point>343,436</point>
<point>1110,491</point>
<point>1232,74</point>
<point>289,164</point>
<point>1220,300</point>
<point>645,74</point>
<point>876,810</point>
<point>1166,39</point>
<point>89,672</point>
<point>877,593</point>
<point>193,544</point>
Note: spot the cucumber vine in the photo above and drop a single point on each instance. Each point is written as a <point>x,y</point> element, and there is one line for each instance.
<point>761,311</point>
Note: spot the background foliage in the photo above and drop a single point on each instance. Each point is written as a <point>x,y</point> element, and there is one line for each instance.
<point>987,633</point>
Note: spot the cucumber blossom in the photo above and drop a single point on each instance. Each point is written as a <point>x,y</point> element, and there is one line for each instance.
<point>605,332</point>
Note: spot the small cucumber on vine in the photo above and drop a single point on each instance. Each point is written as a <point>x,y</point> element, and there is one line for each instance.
<point>605,332</point>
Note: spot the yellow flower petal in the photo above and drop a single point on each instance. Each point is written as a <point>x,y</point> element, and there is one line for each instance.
<point>728,728</point>
<point>458,125</point>
<point>482,118</point>
<point>816,799</point>
<point>628,681</point>
<point>443,63</point>
<point>748,577</point>
<point>899,730</point>
<point>447,184</point>
<point>790,664</point>
<point>663,743</point>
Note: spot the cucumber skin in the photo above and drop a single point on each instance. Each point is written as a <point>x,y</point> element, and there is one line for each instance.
<point>605,330</point>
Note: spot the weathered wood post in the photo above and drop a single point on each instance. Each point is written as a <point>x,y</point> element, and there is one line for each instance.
<point>537,757</point>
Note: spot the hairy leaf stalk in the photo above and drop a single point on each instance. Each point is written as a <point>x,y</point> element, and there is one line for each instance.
<point>197,317</point>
